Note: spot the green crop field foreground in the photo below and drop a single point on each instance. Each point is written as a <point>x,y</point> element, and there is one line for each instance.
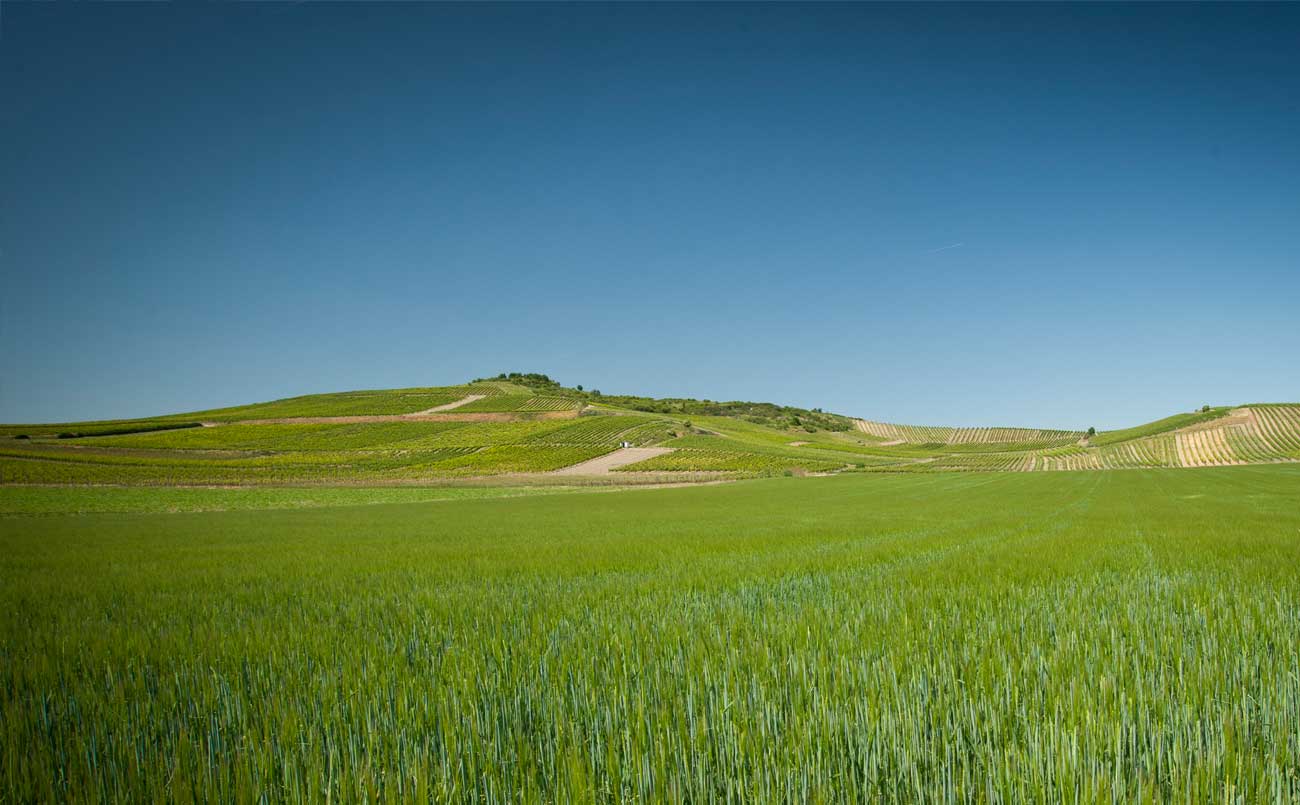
<point>1053,637</point>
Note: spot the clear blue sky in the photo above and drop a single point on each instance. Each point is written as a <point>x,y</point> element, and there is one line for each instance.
<point>1032,214</point>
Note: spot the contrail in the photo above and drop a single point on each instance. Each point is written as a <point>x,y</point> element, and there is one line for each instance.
<point>946,248</point>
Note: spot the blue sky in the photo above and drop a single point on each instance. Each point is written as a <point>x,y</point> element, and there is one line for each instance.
<point>1039,215</point>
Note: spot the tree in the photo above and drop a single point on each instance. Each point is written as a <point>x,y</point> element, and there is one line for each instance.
<point>1205,409</point>
<point>1092,432</point>
<point>578,387</point>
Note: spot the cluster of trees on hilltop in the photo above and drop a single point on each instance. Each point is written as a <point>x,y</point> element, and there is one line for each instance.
<point>533,380</point>
<point>758,413</point>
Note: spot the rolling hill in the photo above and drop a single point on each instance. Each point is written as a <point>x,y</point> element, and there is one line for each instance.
<point>529,428</point>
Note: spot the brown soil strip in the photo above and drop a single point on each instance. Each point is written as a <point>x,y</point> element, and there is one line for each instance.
<point>602,465</point>
<point>466,400</point>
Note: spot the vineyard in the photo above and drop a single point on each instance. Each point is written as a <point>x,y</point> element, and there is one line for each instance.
<point>914,434</point>
<point>298,453</point>
<point>502,426</point>
<point>1218,437</point>
<point>351,403</point>
<point>506,403</point>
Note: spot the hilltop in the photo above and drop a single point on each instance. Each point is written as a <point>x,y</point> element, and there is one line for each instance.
<point>528,426</point>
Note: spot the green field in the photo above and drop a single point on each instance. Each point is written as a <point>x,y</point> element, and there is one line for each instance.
<point>1046,637</point>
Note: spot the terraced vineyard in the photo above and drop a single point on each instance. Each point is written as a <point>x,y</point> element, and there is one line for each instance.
<point>504,427</point>
<point>916,434</point>
<point>1218,437</point>
<point>519,402</point>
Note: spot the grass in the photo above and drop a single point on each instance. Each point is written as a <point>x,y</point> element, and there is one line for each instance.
<point>46,500</point>
<point>1059,637</point>
<point>687,459</point>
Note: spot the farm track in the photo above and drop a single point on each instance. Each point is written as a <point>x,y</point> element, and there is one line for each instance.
<point>604,465</point>
<point>451,405</point>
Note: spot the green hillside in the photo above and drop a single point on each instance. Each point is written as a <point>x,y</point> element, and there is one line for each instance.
<point>524,427</point>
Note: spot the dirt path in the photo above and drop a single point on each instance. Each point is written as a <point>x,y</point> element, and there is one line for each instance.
<point>602,465</point>
<point>466,400</point>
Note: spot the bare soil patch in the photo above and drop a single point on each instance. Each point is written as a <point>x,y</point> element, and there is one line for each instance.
<point>602,465</point>
<point>1237,416</point>
<point>466,400</point>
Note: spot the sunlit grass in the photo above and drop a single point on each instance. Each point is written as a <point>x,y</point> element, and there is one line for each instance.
<point>1057,637</point>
